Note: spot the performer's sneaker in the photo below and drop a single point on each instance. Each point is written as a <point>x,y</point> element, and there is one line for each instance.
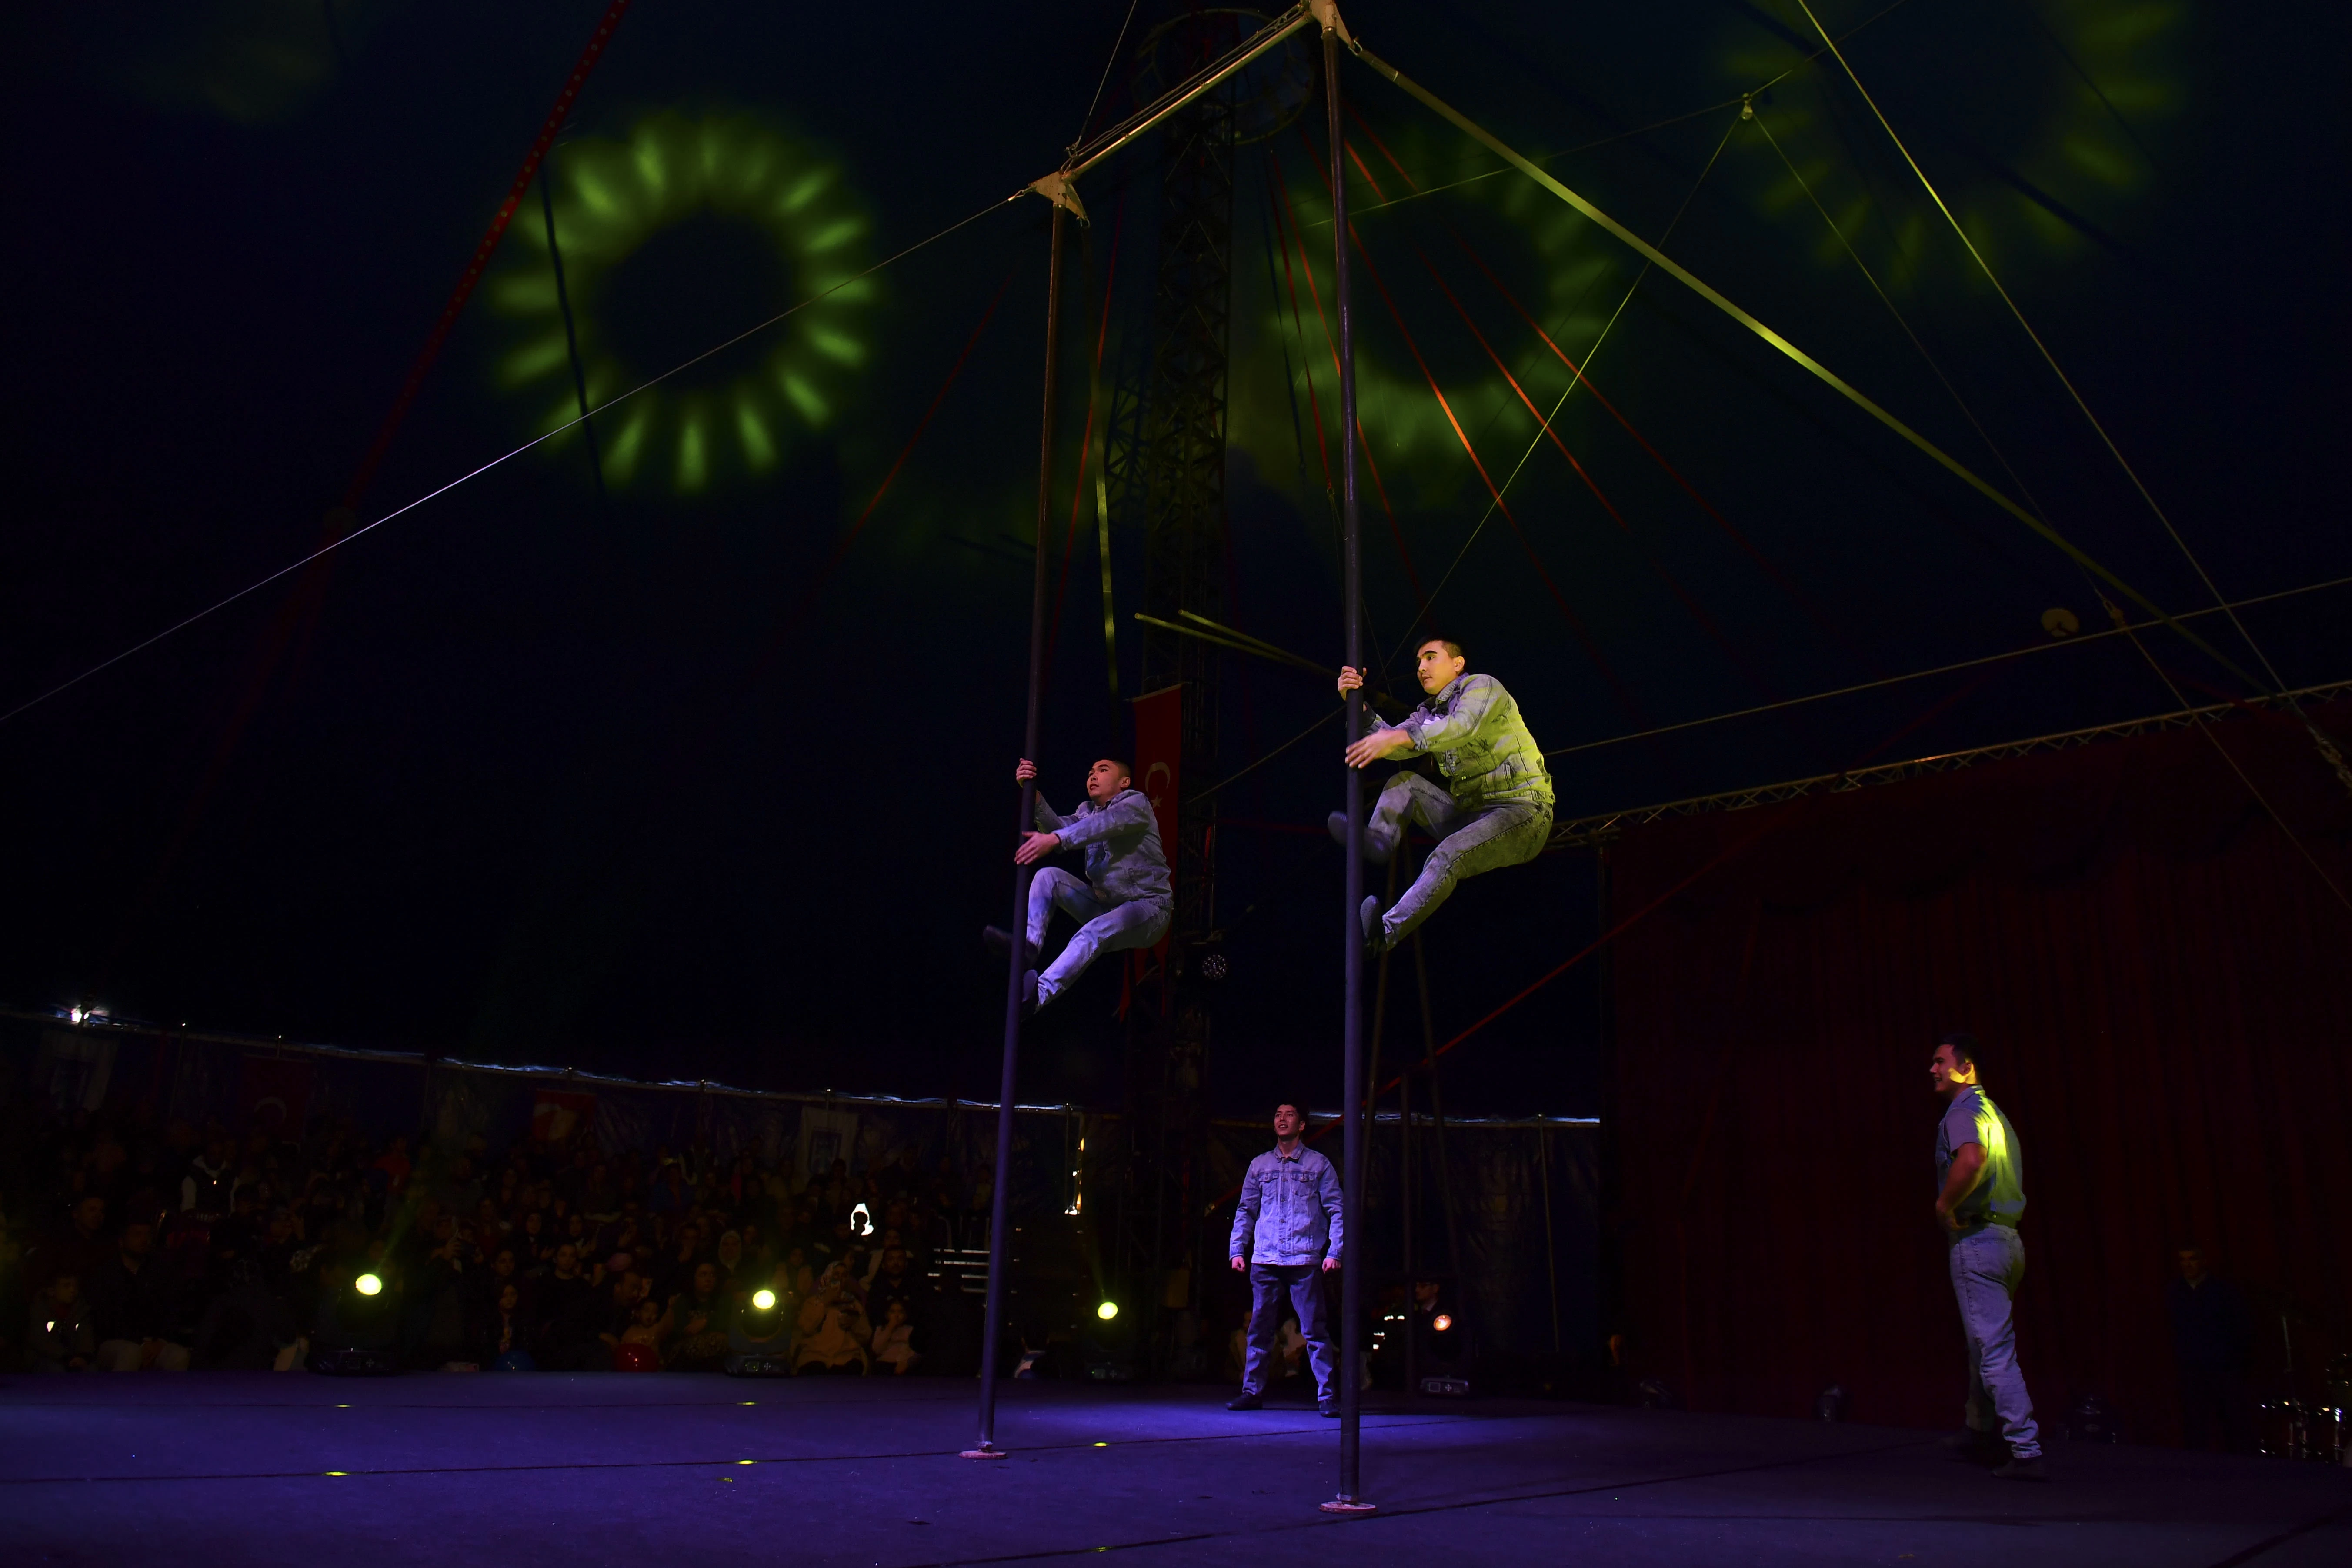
<point>2029,1469</point>
<point>1376,937</point>
<point>1000,941</point>
<point>1376,849</point>
<point>1327,1408</point>
<point>1245,1400</point>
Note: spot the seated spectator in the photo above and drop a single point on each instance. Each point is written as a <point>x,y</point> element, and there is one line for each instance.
<point>58,1336</point>
<point>729,1258</point>
<point>130,1306</point>
<point>833,1334</point>
<point>569,1315</point>
<point>79,1247</point>
<point>894,1280</point>
<point>894,1339</point>
<point>645,1326</point>
<point>506,1330</point>
<point>697,1323</point>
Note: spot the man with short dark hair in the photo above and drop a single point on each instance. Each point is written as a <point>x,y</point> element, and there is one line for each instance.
<point>1289,1229</point>
<point>131,1310</point>
<point>1496,810</point>
<point>1125,901</point>
<point>1980,1195</point>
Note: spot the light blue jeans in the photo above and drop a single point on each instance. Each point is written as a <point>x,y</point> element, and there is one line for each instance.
<point>1478,838</point>
<point>1986,1268</point>
<point>1102,927</point>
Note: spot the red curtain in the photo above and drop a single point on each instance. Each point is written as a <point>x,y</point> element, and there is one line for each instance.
<point>2160,976</point>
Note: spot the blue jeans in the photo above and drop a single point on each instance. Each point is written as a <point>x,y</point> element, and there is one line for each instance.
<point>1469,840</point>
<point>1303,1284</point>
<point>1102,928</point>
<point>1987,1268</point>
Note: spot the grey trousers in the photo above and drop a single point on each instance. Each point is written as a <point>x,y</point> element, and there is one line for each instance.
<point>1302,1283</point>
<point>1482,838</point>
<point>1986,1268</point>
<point>1102,928</point>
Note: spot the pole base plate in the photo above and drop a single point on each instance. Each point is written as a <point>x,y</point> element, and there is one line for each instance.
<point>990,1452</point>
<point>1348,1506</point>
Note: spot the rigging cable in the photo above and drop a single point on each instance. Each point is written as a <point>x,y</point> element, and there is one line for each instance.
<point>337,543</point>
<point>2047,357</point>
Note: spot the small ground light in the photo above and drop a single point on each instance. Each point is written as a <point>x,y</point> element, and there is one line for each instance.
<point>367,1285</point>
<point>1106,1311</point>
<point>1444,1321</point>
<point>763,1300</point>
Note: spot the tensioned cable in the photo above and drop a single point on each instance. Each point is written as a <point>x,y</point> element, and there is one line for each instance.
<point>1938,669</point>
<point>1872,278</point>
<point>540,441</point>
<point>1812,366</point>
<point>1603,337</point>
<point>1753,92</point>
<point>1108,66</point>
<point>2205,727</point>
<point>2047,357</point>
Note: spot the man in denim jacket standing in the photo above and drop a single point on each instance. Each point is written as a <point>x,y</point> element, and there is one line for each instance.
<point>1289,1230</point>
<point>1495,809</point>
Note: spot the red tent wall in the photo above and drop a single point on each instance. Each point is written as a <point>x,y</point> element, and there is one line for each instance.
<point>2161,981</point>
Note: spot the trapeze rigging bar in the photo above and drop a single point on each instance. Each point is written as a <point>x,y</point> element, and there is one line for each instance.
<point>1059,186</point>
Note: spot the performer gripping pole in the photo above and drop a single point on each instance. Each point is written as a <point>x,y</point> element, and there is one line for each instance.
<point>994,1318</point>
<point>1351,578</point>
<point>1497,809</point>
<point>1125,900</point>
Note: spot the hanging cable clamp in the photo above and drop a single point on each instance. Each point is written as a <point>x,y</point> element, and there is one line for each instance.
<point>1328,13</point>
<point>1059,189</point>
<point>1747,106</point>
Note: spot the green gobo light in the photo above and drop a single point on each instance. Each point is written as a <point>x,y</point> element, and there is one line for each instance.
<point>703,205</point>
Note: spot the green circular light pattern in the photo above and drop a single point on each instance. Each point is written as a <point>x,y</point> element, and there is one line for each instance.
<point>368,1285</point>
<point>719,419</point>
<point>1106,1311</point>
<point>2066,95</point>
<point>763,1300</point>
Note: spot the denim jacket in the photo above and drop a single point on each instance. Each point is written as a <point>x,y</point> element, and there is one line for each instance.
<point>1290,1211</point>
<point>1481,744</point>
<point>1121,838</point>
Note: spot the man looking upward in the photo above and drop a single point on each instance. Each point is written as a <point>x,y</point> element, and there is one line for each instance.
<point>1126,899</point>
<point>1496,810</point>
<point>1288,1230</point>
<point>1980,1193</point>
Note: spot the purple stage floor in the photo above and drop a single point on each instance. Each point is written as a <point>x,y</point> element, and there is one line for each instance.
<point>500,1471</point>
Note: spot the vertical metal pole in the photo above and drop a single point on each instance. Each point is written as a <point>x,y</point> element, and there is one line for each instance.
<point>1351,1111</point>
<point>1018,963</point>
<point>1411,1260</point>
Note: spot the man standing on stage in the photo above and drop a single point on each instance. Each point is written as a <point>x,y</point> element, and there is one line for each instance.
<point>1497,808</point>
<point>1126,899</point>
<point>1289,1232</point>
<point>1981,1176</point>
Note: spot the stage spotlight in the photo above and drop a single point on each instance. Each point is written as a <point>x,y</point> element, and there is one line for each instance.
<point>1106,1311</point>
<point>764,1301</point>
<point>1443,1322</point>
<point>368,1285</point>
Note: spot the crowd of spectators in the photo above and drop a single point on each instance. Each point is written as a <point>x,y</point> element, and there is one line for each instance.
<point>127,1248</point>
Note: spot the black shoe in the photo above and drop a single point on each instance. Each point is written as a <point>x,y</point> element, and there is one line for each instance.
<point>1327,1408</point>
<point>1376,940</point>
<point>1029,993</point>
<point>2026,1469</point>
<point>999,942</point>
<point>1245,1400</point>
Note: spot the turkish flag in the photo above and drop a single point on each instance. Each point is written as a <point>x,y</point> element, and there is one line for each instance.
<point>274,1094</point>
<point>556,1114</point>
